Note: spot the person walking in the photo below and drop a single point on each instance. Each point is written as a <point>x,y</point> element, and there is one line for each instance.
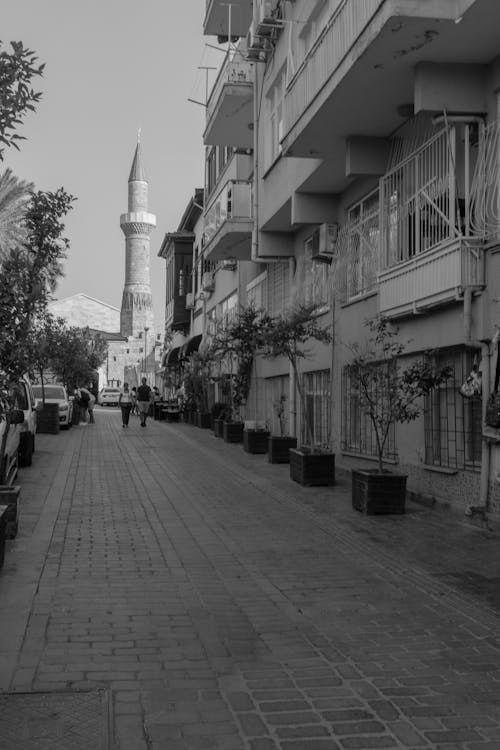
<point>144,400</point>
<point>125,404</point>
<point>81,403</point>
<point>84,392</point>
<point>134,401</point>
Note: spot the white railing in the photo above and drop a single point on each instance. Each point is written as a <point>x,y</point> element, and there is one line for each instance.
<point>234,70</point>
<point>433,278</point>
<point>419,208</point>
<point>234,201</point>
<point>485,187</point>
<point>342,30</point>
<point>356,263</point>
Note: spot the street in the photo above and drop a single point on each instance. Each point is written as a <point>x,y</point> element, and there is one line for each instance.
<point>217,604</point>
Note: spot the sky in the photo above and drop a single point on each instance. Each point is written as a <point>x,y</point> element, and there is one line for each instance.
<point>112,67</point>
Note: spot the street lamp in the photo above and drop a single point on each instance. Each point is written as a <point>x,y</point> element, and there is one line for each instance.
<point>146,329</point>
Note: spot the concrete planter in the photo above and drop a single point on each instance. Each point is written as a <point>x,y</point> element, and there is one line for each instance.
<point>3,525</point>
<point>204,420</point>
<point>9,496</point>
<point>376,494</point>
<point>312,469</point>
<point>219,428</point>
<point>278,448</point>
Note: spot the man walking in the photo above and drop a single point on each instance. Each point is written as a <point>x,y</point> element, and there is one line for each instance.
<point>144,399</point>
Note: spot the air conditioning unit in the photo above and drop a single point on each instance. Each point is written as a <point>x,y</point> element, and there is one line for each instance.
<point>255,44</point>
<point>267,22</point>
<point>189,301</point>
<point>229,264</point>
<point>324,242</point>
<point>208,282</point>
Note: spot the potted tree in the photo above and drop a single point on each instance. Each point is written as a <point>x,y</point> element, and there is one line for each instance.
<point>288,336</point>
<point>388,394</point>
<point>278,446</point>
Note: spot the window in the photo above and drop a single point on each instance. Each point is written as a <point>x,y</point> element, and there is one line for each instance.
<point>277,392</point>
<point>274,103</point>
<point>316,279</point>
<point>278,288</point>
<point>228,309</point>
<point>316,386</point>
<point>358,434</point>
<point>453,424</point>
<point>363,235</point>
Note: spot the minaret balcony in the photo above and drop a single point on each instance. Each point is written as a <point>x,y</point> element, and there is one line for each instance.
<point>230,105</point>
<point>218,18</point>
<point>228,222</point>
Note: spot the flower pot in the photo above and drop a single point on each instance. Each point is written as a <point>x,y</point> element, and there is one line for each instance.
<point>312,469</point>
<point>204,420</point>
<point>9,496</point>
<point>48,419</point>
<point>219,428</point>
<point>278,448</point>
<point>374,493</point>
<point>255,441</point>
<point>233,432</point>
<point>3,528</point>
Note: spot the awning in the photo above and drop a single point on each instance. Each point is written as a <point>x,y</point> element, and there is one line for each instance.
<point>191,345</point>
<point>171,358</point>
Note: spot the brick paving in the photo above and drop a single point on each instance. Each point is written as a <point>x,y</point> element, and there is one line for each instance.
<point>226,607</point>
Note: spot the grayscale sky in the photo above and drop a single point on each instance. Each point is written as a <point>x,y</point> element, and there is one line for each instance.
<point>113,66</point>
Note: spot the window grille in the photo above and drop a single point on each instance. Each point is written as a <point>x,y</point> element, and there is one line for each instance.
<point>278,288</point>
<point>453,424</point>
<point>315,280</point>
<point>316,387</point>
<point>358,434</point>
<point>277,391</point>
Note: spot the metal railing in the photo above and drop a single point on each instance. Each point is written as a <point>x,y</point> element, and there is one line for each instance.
<point>234,70</point>
<point>234,201</point>
<point>344,27</point>
<point>485,187</point>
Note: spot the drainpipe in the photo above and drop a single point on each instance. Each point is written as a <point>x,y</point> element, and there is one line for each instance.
<point>483,506</point>
<point>293,388</point>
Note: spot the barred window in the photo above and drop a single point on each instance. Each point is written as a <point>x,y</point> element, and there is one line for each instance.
<point>277,390</point>
<point>316,387</point>
<point>358,433</point>
<point>453,424</point>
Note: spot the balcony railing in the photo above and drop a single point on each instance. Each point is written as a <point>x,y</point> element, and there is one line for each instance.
<point>235,70</point>
<point>344,27</point>
<point>233,202</point>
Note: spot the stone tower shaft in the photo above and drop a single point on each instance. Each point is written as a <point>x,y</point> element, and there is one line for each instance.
<point>137,225</point>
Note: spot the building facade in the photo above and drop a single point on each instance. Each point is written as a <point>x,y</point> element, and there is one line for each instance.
<point>352,161</point>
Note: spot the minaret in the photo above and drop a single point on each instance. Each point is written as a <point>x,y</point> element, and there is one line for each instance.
<point>137,302</point>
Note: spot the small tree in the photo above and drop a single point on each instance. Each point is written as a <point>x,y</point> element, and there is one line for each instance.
<point>279,407</point>
<point>288,336</point>
<point>386,392</point>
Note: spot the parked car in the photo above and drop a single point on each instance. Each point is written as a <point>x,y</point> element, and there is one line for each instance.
<point>10,458</point>
<point>24,399</point>
<point>56,393</point>
<point>109,396</point>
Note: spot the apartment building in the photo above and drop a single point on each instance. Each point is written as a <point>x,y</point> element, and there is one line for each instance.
<point>353,161</point>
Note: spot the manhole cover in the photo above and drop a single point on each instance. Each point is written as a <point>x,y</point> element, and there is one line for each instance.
<point>55,721</point>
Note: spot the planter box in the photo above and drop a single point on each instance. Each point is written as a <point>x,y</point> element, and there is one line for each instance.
<point>9,496</point>
<point>374,493</point>
<point>255,441</point>
<point>233,432</point>
<point>204,420</point>
<point>48,419</point>
<point>278,448</point>
<point>3,524</point>
<point>219,428</point>
<point>312,469</point>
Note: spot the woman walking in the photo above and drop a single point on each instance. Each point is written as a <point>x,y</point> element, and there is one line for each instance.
<point>125,403</point>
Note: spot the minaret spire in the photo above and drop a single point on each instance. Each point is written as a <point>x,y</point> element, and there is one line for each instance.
<point>137,305</point>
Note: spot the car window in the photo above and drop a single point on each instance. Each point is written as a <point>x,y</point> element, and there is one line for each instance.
<point>51,391</point>
<point>19,396</point>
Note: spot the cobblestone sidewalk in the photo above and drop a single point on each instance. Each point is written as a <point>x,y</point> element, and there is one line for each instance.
<point>226,607</point>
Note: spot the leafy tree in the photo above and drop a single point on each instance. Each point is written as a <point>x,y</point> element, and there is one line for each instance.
<point>14,197</point>
<point>388,393</point>
<point>288,336</point>
<point>17,69</point>
<point>76,355</point>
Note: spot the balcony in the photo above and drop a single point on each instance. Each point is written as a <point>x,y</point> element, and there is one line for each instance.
<point>229,223</point>
<point>217,19</point>
<point>364,61</point>
<point>230,106</point>
<point>436,277</point>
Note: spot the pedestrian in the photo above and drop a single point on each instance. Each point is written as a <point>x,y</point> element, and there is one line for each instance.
<point>90,403</point>
<point>144,400</point>
<point>134,401</point>
<point>125,404</point>
<point>79,405</point>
